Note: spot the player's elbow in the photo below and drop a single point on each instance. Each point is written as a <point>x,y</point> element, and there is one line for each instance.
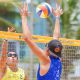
<point>27,36</point>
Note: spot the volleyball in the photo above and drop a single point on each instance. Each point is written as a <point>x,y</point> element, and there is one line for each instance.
<point>44,10</point>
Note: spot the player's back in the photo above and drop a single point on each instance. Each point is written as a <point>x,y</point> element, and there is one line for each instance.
<point>54,71</point>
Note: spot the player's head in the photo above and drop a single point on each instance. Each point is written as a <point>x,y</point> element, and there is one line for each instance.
<point>55,48</point>
<point>12,58</point>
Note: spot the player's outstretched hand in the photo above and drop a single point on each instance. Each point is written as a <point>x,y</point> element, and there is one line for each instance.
<point>58,11</point>
<point>23,10</point>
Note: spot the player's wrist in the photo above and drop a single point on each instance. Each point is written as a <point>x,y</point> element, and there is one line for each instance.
<point>57,17</point>
<point>23,16</point>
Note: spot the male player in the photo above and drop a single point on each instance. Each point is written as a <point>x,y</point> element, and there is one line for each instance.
<point>50,66</point>
<point>9,69</point>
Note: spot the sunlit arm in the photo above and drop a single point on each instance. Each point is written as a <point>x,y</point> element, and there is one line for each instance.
<point>4,56</point>
<point>56,33</point>
<point>26,32</point>
<point>28,38</point>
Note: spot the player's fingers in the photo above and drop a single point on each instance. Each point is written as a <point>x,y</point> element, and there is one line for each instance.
<point>57,6</point>
<point>61,11</point>
<point>53,11</point>
<point>13,29</point>
<point>26,7</point>
<point>8,28</point>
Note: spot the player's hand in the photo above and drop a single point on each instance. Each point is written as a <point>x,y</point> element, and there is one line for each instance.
<point>11,29</point>
<point>24,10</point>
<point>58,11</point>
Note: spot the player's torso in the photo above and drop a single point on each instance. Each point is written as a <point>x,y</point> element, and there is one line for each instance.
<point>53,72</point>
<point>9,75</point>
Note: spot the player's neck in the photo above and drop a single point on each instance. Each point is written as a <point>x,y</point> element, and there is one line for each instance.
<point>13,68</point>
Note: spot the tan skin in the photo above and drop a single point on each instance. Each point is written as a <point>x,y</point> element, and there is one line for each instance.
<point>12,62</point>
<point>43,55</point>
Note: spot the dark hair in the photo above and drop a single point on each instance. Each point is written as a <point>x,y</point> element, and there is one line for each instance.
<point>55,47</point>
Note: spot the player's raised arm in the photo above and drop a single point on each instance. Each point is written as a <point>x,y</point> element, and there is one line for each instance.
<point>24,14</point>
<point>4,56</point>
<point>28,36</point>
<point>4,53</point>
<point>57,13</point>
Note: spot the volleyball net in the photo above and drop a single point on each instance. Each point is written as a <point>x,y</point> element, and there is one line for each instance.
<point>29,62</point>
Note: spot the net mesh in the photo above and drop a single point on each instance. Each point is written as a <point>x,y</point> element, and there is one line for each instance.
<point>29,62</point>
